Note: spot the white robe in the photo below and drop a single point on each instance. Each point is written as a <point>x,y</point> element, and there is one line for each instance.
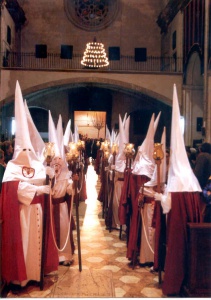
<point>116,198</point>
<point>147,234</point>
<point>61,187</point>
<point>31,230</point>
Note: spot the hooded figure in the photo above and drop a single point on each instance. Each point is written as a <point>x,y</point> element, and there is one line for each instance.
<point>22,211</point>
<point>147,247</point>
<point>142,170</point>
<point>182,201</point>
<point>61,191</point>
<point>120,165</point>
<point>144,162</point>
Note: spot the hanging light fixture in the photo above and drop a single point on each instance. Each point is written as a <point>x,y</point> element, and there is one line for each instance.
<point>95,56</point>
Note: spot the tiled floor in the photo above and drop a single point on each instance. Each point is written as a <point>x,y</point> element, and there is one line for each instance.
<point>105,269</point>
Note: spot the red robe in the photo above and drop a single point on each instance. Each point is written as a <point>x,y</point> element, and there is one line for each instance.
<point>123,202</point>
<point>136,182</point>
<point>12,258</point>
<point>185,208</point>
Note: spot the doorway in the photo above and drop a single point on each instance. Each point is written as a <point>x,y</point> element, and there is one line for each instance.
<point>91,124</point>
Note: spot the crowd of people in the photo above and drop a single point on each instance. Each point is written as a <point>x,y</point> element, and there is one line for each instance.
<point>155,214</point>
<point>134,197</point>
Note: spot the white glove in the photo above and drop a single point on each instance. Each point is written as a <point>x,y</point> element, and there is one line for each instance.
<point>43,189</point>
<point>112,167</point>
<point>50,172</point>
<point>69,187</point>
<point>158,196</point>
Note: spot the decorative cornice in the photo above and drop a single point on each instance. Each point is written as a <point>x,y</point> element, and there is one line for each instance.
<point>169,12</point>
<point>16,12</point>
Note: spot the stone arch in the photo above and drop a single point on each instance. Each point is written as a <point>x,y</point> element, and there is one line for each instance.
<point>41,95</point>
<point>97,81</point>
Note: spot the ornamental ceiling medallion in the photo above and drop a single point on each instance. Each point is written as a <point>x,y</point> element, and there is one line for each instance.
<point>91,15</point>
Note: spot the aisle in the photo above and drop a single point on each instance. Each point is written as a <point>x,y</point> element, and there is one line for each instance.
<point>105,270</point>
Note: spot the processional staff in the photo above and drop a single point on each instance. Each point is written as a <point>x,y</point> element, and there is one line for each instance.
<point>48,154</point>
<point>73,159</point>
<point>105,154</point>
<point>158,155</point>
<point>114,151</point>
<point>129,152</point>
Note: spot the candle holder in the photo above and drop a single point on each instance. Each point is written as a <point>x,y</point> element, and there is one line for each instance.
<point>129,152</point>
<point>73,153</point>
<point>105,146</point>
<point>158,152</point>
<point>72,157</point>
<point>158,155</point>
<point>81,147</point>
<point>49,152</point>
<point>114,149</point>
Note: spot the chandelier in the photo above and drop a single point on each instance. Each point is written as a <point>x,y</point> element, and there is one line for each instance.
<point>95,56</point>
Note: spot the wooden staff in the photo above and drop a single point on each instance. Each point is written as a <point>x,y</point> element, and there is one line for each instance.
<point>45,208</point>
<point>75,182</point>
<point>140,206</point>
<point>158,156</point>
<point>110,206</point>
<point>103,183</point>
<point>72,159</point>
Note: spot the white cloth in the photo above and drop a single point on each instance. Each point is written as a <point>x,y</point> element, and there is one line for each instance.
<point>31,230</point>
<point>147,234</point>
<point>142,165</point>
<point>117,193</point>
<point>60,188</point>
<point>165,201</point>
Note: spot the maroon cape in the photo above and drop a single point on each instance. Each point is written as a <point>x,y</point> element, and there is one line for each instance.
<point>159,223</point>
<point>12,257</point>
<point>185,208</point>
<point>123,209</point>
<point>136,181</point>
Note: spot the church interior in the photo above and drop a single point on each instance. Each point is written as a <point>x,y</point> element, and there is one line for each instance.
<point>112,73</point>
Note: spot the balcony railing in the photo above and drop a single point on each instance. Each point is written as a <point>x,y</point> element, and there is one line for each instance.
<point>54,62</point>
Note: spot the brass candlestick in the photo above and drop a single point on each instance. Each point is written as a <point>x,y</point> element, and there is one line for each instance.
<point>49,153</point>
<point>129,152</point>
<point>158,155</point>
<point>72,158</point>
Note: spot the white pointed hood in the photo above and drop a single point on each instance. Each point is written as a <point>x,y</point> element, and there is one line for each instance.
<point>76,135</point>
<point>36,139</point>
<point>120,162</point>
<point>108,135</point>
<point>60,137</point>
<point>157,121</point>
<point>54,138</point>
<point>24,154</point>
<point>67,133</point>
<point>180,175</point>
<point>144,163</point>
<point>52,134</point>
<point>153,180</point>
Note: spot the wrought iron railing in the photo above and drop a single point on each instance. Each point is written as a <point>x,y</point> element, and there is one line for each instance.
<point>53,61</point>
